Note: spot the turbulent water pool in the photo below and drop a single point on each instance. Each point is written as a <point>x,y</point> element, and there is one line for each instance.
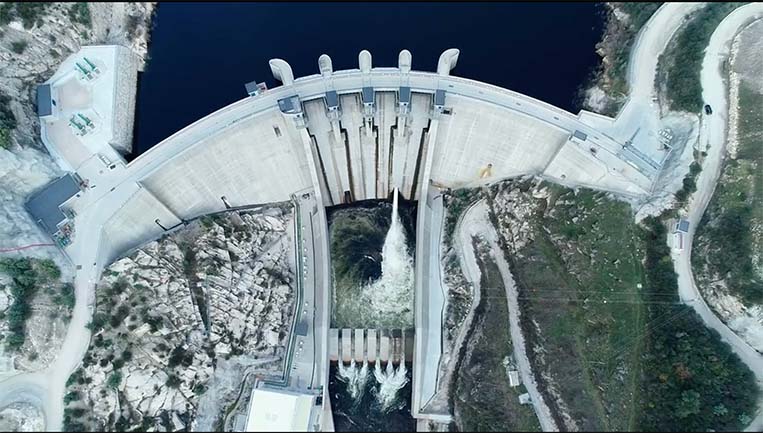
<point>360,403</point>
<point>372,249</point>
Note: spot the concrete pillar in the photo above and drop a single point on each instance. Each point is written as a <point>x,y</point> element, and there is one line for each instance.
<point>346,342</point>
<point>333,344</point>
<point>359,346</point>
<point>371,343</point>
<point>384,347</point>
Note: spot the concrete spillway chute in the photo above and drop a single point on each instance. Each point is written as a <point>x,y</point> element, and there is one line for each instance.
<point>364,61</point>
<point>404,61</point>
<point>282,71</point>
<point>447,61</point>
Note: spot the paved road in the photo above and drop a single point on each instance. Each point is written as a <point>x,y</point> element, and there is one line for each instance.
<point>713,137</point>
<point>476,223</point>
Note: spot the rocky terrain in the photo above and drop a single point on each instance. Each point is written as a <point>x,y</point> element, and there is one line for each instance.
<point>21,417</point>
<point>188,315</point>
<point>34,39</point>
<point>727,258</point>
<point>608,89</point>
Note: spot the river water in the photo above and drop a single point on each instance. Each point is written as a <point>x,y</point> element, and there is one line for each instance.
<point>201,54</point>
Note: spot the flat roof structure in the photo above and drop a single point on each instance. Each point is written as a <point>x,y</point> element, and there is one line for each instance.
<point>332,99</point>
<point>682,225</point>
<point>279,410</point>
<point>45,206</point>
<point>44,100</point>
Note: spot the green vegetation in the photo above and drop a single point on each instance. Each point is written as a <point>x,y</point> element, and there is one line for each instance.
<point>481,393</point>
<point>80,13</point>
<point>114,379</point>
<point>729,233</point>
<point>689,182</point>
<point>27,276</point>
<point>692,381</point>
<point>620,348</point>
<point>625,36</point>
<point>7,121</point>
<point>579,280</point>
<point>456,202</point>
<point>18,47</point>
<point>680,65</point>
<point>30,13</point>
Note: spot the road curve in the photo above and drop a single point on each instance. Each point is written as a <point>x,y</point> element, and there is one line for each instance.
<point>713,137</point>
<point>475,222</point>
<point>651,42</point>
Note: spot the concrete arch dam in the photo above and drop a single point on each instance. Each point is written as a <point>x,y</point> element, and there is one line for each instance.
<point>358,134</point>
<point>343,136</point>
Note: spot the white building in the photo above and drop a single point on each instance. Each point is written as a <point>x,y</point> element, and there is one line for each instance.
<point>272,410</point>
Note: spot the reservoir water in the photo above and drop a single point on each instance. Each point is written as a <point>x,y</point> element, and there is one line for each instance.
<point>201,54</point>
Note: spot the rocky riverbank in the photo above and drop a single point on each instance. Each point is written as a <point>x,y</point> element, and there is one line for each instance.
<point>608,89</point>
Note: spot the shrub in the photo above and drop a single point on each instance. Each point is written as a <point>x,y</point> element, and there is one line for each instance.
<point>80,13</point>
<point>18,47</point>
<point>114,379</point>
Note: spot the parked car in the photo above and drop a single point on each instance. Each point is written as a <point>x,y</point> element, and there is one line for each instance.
<point>708,110</point>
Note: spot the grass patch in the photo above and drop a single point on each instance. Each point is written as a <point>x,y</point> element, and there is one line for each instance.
<point>19,47</point>
<point>578,280</point>
<point>680,64</point>
<point>642,360</point>
<point>729,235</point>
<point>483,399</point>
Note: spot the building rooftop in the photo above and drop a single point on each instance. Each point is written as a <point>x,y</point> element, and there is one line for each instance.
<point>44,100</point>
<point>279,410</point>
<point>682,225</point>
<point>45,206</point>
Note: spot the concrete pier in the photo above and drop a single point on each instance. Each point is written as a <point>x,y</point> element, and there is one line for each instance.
<point>346,345</point>
<point>370,344</point>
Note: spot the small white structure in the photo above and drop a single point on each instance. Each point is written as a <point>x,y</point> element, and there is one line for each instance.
<point>272,410</point>
<point>513,378</point>
<point>680,229</point>
<point>525,399</point>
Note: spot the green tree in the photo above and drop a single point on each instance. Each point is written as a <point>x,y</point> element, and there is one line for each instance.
<point>689,404</point>
<point>114,379</point>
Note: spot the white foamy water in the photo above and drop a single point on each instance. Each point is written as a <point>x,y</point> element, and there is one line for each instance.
<point>389,299</point>
<point>354,377</point>
<point>390,382</point>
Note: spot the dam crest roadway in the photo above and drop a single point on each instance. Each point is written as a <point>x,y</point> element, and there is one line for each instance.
<point>327,139</point>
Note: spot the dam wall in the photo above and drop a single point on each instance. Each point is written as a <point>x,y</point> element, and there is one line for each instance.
<point>365,133</point>
<point>256,160</point>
